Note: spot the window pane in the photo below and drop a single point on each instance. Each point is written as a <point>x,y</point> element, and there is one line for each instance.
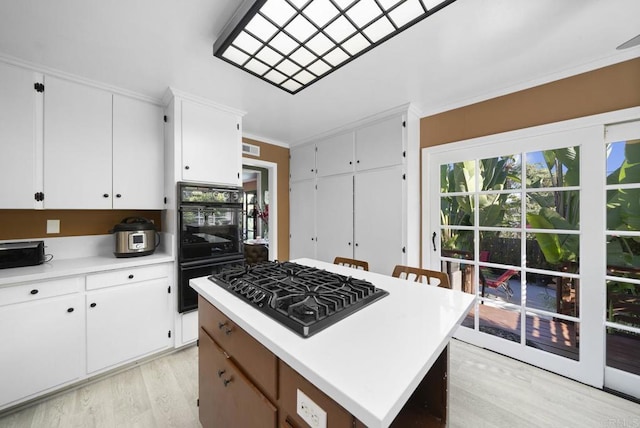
<point>623,209</point>
<point>500,247</point>
<point>501,173</point>
<point>456,210</point>
<point>553,210</point>
<point>551,293</point>
<point>623,162</point>
<point>500,209</point>
<point>457,177</point>
<point>496,321</point>
<point>560,252</point>
<point>457,243</point>
<point>623,303</point>
<point>554,168</point>
<point>500,284</point>
<point>553,335</point>
<point>623,349</point>
<point>623,256</point>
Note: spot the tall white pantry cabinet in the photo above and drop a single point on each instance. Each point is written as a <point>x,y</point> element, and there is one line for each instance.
<point>355,193</point>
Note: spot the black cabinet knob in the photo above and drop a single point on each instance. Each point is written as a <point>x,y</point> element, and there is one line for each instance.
<point>221,372</point>
<point>349,243</point>
<point>222,325</point>
<point>70,310</point>
<point>118,195</point>
<point>93,305</point>
<point>228,331</point>
<point>356,244</point>
<point>226,382</point>
<point>34,291</point>
<point>186,167</point>
<point>106,195</point>
<point>350,163</point>
<point>131,276</point>
<point>358,161</point>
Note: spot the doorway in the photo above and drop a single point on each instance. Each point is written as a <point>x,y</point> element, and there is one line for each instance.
<point>260,214</point>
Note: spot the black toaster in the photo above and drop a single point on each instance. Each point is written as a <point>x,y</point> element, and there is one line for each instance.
<point>17,254</point>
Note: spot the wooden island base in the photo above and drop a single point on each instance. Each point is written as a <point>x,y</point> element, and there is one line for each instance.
<point>243,384</point>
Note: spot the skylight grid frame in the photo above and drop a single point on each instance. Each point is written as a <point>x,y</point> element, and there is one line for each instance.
<point>285,66</point>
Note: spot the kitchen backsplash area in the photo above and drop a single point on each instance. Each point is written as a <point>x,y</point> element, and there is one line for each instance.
<point>32,224</point>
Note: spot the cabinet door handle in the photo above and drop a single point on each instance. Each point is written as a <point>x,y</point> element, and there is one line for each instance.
<point>226,381</point>
<point>70,310</point>
<point>34,291</point>
<point>131,276</point>
<point>118,195</point>
<point>93,305</point>
<point>356,244</point>
<point>228,331</point>
<point>186,167</point>
<point>106,195</point>
<point>221,372</point>
<point>222,325</point>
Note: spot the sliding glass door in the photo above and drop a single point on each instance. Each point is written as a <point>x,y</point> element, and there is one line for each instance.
<point>543,226</point>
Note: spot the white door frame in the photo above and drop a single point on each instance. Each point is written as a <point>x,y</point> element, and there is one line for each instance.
<point>592,318</point>
<point>272,168</point>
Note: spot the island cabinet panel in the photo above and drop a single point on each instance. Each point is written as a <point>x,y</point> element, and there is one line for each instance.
<point>258,363</point>
<point>227,397</point>
<point>290,383</point>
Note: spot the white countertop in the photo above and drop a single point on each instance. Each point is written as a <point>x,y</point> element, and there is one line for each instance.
<point>371,361</point>
<point>76,266</point>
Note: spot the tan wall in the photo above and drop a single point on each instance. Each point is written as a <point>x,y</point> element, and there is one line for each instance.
<point>280,156</point>
<point>598,91</point>
<point>31,224</point>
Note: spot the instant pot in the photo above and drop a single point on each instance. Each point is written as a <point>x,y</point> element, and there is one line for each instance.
<point>135,236</point>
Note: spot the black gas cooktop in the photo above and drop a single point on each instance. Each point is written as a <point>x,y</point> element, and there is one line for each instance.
<point>303,298</point>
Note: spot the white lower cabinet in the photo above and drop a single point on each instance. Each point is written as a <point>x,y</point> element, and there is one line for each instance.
<point>42,342</point>
<point>57,332</point>
<point>127,320</point>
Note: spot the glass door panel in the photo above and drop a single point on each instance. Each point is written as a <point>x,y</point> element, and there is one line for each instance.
<point>622,371</point>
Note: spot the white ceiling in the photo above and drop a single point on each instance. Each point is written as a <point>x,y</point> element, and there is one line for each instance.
<point>470,51</point>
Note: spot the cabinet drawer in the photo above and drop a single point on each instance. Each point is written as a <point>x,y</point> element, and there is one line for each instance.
<point>39,290</point>
<point>290,383</point>
<point>227,397</point>
<point>258,363</point>
<point>125,276</point>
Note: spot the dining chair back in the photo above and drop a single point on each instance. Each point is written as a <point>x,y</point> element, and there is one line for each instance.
<point>356,264</point>
<point>419,275</point>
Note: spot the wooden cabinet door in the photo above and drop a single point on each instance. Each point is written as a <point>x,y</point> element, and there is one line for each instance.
<point>227,396</point>
<point>302,165</point>
<point>138,155</point>
<point>380,144</point>
<point>77,146</point>
<point>211,145</point>
<point>302,219</point>
<point>17,138</point>
<point>379,218</point>
<point>334,217</point>
<point>335,155</point>
<point>42,345</point>
<point>126,322</point>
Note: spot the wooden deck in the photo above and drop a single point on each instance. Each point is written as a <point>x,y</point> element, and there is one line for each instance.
<point>557,336</point>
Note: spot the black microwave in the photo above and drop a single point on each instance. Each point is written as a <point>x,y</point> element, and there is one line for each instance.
<point>17,254</point>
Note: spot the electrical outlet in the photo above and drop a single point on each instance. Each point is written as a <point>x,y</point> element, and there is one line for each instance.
<point>53,226</point>
<point>310,412</point>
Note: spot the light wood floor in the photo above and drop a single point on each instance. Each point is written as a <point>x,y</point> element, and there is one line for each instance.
<point>487,391</point>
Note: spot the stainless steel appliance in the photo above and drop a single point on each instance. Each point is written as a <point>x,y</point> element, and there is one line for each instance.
<point>210,235</point>
<point>135,236</point>
<point>305,299</point>
<point>18,254</point>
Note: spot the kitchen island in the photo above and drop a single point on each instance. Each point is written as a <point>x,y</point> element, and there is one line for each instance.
<point>369,363</point>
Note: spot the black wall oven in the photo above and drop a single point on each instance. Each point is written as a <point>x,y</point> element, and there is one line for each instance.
<point>210,235</point>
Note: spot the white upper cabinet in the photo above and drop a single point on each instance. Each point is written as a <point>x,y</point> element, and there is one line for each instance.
<point>17,138</point>
<point>211,145</point>
<point>335,155</point>
<point>138,155</point>
<point>77,146</point>
<point>380,144</point>
<point>302,162</point>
